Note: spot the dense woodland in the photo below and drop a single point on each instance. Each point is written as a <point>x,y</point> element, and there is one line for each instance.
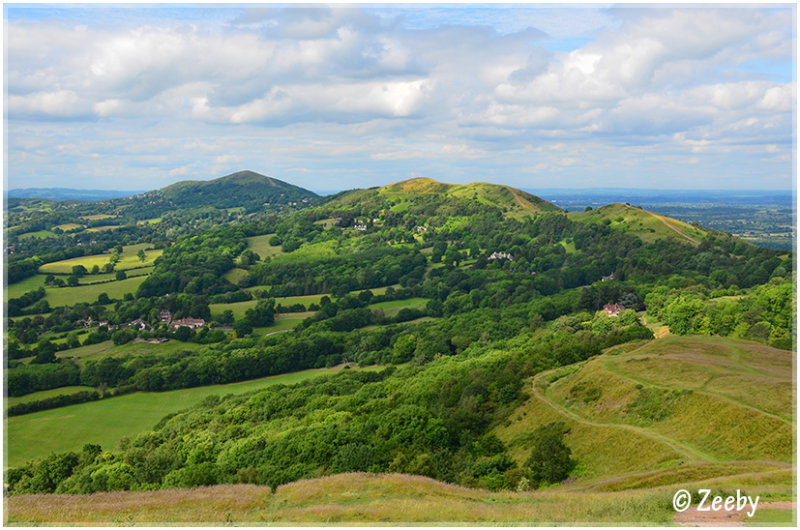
<point>448,370</point>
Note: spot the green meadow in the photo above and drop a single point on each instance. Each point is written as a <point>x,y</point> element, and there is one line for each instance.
<point>59,296</point>
<point>260,245</point>
<point>104,422</point>
<point>128,260</point>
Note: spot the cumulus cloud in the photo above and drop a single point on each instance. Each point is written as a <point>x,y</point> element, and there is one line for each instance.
<point>413,85</point>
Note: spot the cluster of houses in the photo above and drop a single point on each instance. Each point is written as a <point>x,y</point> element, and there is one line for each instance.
<point>139,324</point>
<point>501,255</point>
<point>191,323</point>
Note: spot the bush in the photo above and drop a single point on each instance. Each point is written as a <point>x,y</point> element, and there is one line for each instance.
<point>550,460</point>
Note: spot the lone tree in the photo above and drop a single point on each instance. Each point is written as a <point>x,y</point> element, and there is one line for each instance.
<point>550,459</point>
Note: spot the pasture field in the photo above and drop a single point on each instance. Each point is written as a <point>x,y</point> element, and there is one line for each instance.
<point>109,349</point>
<point>260,245</point>
<point>31,283</point>
<point>393,307</point>
<point>235,274</point>
<point>239,308</point>
<point>44,394</point>
<point>103,228</point>
<point>31,436</point>
<point>60,296</point>
<point>128,260</point>
<point>41,234</point>
<point>309,252</point>
<point>97,217</point>
<point>66,227</point>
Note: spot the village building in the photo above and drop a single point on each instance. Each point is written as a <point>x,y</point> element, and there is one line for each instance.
<point>501,255</point>
<point>165,316</point>
<point>613,310</point>
<point>191,323</point>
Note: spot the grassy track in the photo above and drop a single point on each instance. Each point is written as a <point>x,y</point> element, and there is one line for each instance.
<point>36,435</point>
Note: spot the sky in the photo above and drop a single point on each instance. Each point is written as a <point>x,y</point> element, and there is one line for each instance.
<point>136,97</point>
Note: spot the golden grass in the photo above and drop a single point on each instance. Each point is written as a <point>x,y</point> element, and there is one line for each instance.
<point>352,497</point>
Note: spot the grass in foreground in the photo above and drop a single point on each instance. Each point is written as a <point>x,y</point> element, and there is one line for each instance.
<point>350,498</point>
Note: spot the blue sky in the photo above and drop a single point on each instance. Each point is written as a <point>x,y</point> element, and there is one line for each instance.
<point>137,97</point>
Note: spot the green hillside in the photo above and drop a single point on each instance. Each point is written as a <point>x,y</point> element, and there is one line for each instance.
<point>243,189</point>
<point>671,410</point>
<point>648,226</point>
<point>431,198</point>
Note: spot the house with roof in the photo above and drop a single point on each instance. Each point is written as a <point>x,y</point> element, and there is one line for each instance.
<point>613,310</point>
<point>189,322</point>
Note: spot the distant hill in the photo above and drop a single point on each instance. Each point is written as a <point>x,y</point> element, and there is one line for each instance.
<point>247,189</point>
<point>647,226</point>
<point>68,194</point>
<point>430,197</point>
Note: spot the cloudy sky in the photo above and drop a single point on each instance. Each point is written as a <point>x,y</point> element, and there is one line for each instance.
<point>136,97</point>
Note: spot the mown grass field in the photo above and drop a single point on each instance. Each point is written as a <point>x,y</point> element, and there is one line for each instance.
<point>128,260</point>
<point>36,435</point>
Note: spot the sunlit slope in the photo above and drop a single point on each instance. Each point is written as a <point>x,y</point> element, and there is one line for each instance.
<point>648,226</point>
<point>369,498</point>
<point>432,197</point>
<point>672,409</point>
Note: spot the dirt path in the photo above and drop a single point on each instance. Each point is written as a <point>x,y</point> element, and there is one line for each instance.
<point>671,227</point>
<point>692,517</point>
<point>680,448</point>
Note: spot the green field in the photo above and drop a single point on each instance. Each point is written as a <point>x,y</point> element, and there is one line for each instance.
<point>309,252</point>
<point>260,245</point>
<point>59,296</point>
<point>128,260</point>
<point>235,274</point>
<point>15,290</point>
<point>107,348</point>
<point>393,307</point>
<point>66,227</point>
<point>41,234</point>
<point>44,394</point>
<point>239,308</point>
<point>31,436</point>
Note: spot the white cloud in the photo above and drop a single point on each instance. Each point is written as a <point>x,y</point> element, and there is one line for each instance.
<point>290,87</point>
